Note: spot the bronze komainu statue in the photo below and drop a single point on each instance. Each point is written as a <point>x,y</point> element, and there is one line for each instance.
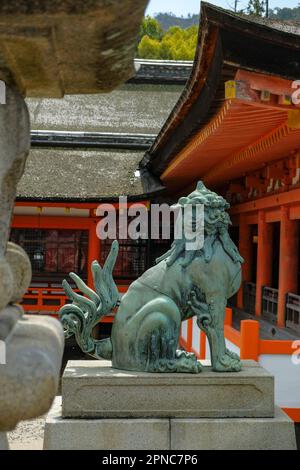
<point>183,283</point>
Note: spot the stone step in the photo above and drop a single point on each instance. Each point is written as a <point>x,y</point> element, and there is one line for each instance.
<point>104,434</point>
<point>3,441</point>
<point>93,389</point>
<point>276,433</point>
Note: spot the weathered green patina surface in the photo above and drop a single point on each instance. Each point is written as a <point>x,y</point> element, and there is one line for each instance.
<point>184,283</point>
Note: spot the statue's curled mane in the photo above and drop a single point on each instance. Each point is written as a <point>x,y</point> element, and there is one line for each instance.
<point>216,223</point>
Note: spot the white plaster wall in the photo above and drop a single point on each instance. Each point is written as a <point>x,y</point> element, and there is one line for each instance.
<point>232,347</point>
<point>207,350</point>
<point>184,330</point>
<point>196,336</point>
<point>229,345</point>
<point>287,379</point>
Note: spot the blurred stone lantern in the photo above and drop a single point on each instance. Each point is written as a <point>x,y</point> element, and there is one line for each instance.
<point>48,48</point>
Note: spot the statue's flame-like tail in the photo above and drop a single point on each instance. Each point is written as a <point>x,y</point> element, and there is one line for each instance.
<point>85,311</point>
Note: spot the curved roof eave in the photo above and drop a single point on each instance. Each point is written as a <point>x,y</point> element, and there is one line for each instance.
<point>226,42</point>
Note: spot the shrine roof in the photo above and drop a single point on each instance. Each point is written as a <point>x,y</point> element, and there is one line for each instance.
<point>133,108</point>
<point>286,26</point>
<point>88,147</point>
<point>227,43</point>
<point>80,175</point>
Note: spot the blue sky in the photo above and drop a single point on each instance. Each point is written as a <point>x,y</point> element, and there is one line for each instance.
<point>183,7</point>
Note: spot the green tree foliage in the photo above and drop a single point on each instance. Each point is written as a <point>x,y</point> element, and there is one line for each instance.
<point>256,7</point>
<point>290,14</point>
<point>149,48</point>
<point>166,20</point>
<point>151,27</point>
<point>175,44</point>
<point>168,37</point>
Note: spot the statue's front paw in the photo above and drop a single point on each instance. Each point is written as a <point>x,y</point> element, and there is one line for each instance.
<point>188,365</point>
<point>187,362</point>
<point>227,364</point>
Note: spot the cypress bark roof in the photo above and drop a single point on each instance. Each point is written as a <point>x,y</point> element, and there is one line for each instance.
<point>80,175</point>
<point>124,120</point>
<point>133,108</point>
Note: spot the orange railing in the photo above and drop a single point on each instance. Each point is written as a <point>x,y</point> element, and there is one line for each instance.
<point>248,340</point>
<point>48,298</point>
<point>44,298</point>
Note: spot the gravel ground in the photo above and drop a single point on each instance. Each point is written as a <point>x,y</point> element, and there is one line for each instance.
<point>28,435</point>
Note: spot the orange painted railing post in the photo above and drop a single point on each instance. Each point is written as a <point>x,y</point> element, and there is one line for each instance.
<point>228,316</point>
<point>94,249</point>
<point>189,340</point>
<point>246,249</point>
<point>264,259</point>
<point>202,345</point>
<point>249,340</point>
<point>288,261</point>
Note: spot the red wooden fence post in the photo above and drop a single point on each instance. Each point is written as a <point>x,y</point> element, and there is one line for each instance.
<point>249,339</point>
<point>228,316</point>
<point>94,249</point>
<point>189,339</point>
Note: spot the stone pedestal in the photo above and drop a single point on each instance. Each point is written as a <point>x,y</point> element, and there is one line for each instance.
<point>95,390</point>
<point>104,408</point>
<point>101,434</point>
<point>3,441</point>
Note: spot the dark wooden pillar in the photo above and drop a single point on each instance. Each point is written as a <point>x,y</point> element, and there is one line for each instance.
<point>288,261</point>
<point>264,259</point>
<point>246,251</point>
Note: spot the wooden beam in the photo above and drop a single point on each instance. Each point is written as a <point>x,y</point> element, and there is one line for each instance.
<point>259,82</point>
<point>245,91</point>
<point>47,222</point>
<point>291,197</point>
<point>294,119</point>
